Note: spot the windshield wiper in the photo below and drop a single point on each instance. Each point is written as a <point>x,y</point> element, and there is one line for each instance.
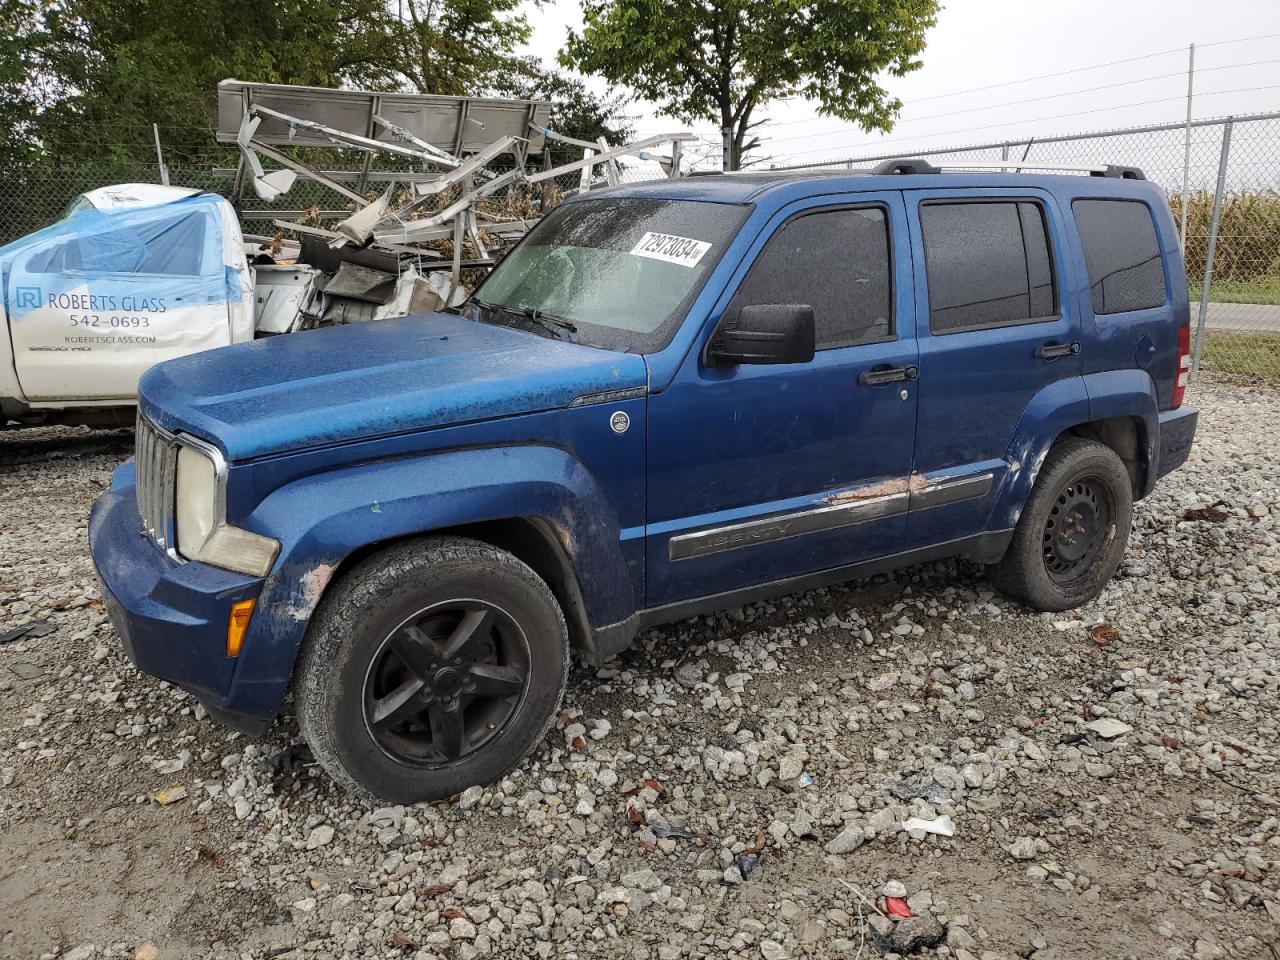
<point>471,301</point>
<point>548,321</point>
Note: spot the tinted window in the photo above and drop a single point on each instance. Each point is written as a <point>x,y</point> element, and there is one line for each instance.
<point>837,261</point>
<point>987,263</point>
<point>1122,254</point>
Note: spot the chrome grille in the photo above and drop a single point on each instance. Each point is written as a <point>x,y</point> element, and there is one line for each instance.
<point>156,459</point>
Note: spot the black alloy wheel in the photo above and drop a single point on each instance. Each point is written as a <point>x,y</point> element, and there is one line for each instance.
<point>430,666</point>
<point>445,682</point>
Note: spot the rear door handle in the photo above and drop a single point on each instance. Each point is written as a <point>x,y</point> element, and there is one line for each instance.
<point>878,376</point>
<point>1048,351</point>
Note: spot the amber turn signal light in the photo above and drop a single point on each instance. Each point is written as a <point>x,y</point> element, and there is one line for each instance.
<point>238,625</point>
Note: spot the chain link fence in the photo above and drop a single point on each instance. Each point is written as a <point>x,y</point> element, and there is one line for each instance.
<point>1223,181</point>
<point>31,199</point>
<point>1222,178</point>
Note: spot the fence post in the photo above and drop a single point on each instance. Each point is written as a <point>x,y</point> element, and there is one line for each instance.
<point>543,194</point>
<point>164,171</point>
<point>1186,150</point>
<point>1213,243</point>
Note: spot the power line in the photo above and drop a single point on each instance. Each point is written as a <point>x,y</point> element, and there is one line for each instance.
<point>1009,123</point>
<point>1050,96</point>
<point>1064,73</point>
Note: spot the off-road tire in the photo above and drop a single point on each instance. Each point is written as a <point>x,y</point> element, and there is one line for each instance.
<point>1024,572</point>
<point>354,619</point>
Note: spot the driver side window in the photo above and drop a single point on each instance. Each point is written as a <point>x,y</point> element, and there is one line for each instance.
<point>835,260</point>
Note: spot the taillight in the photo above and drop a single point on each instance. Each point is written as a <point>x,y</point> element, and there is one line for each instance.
<point>1184,364</point>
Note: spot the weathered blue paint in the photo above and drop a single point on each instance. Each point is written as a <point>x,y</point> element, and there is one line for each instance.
<point>343,384</point>
<point>343,439</point>
<point>1051,412</point>
<point>172,618</point>
<point>331,514</point>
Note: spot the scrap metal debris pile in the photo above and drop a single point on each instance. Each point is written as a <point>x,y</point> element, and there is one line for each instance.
<point>442,186</point>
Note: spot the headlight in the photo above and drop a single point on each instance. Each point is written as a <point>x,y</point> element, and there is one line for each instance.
<point>201,530</point>
<point>196,501</point>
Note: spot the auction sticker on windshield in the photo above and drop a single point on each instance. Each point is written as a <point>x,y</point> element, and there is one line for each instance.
<point>672,249</point>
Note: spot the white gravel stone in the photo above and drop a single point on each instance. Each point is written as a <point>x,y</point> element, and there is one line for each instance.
<point>1024,848</point>
<point>1108,727</point>
<point>320,836</point>
<point>846,841</point>
<point>715,766</point>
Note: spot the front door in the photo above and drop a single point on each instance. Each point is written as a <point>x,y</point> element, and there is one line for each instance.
<point>760,473</point>
<point>994,332</point>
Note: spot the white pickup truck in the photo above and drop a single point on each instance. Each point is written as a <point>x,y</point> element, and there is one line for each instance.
<point>139,273</point>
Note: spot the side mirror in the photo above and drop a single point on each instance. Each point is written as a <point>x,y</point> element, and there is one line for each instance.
<point>765,333</point>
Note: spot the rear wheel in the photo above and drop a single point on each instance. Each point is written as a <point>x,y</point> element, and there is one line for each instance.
<point>1073,530</point>
<point>432,666</point>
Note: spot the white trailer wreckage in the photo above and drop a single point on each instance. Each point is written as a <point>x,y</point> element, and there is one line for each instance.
<point>139,273</point>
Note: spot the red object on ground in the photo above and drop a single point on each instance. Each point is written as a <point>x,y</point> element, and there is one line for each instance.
<point>897,907</point>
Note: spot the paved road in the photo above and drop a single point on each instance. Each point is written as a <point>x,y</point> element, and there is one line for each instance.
<point>1247,317</point>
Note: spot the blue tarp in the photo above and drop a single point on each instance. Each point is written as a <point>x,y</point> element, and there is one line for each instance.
<point>98,257</point>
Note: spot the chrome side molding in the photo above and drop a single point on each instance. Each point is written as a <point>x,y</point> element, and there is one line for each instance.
<point>719,539</point>
<point>846,512</point>
<point>952,491</point>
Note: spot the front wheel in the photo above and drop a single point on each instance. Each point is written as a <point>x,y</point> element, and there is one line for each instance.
<point>432,666</point>
<point>1073,530</point>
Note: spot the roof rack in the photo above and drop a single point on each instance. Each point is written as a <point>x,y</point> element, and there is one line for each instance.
<point>912,166</point>
<point>915,165</point>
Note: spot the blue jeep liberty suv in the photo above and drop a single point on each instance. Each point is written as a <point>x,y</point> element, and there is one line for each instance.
<point>669,398</point>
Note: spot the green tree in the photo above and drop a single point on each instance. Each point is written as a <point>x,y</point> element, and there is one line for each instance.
<point>719,60</point>
<point>575,110</point>
<point>125,64</point>
<point>82,81</point>
<point>22,42</point>
<point>455,47</point>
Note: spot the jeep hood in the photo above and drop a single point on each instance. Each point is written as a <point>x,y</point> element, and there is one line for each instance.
<point>373,379</point>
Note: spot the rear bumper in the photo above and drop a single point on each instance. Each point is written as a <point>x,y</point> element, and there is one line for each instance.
<point>171,617</point>
<point>1177,434</point>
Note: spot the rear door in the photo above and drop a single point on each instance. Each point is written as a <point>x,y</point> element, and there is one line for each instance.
<point>994,330</point>
<point>107,294</point>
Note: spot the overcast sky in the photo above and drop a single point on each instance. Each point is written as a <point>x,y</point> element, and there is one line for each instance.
<point>978,43</point>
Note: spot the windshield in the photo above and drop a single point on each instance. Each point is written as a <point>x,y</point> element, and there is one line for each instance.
<point>620,270</point>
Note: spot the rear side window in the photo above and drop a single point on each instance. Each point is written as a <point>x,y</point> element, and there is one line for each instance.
<point>837,261</point>
<point>1122,254</point>
<point>987,265</point>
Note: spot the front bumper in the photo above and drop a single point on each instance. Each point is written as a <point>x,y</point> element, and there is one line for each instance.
<point>172,617</point>
<point>1177,434</point>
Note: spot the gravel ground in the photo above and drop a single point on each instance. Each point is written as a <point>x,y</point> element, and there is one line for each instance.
<point>749,785</point>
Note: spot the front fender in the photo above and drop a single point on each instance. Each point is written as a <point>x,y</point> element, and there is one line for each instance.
<point>322,519</point>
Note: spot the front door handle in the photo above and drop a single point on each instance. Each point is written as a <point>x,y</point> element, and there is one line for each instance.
<point>881,375</point>
<point>1048,351</point>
